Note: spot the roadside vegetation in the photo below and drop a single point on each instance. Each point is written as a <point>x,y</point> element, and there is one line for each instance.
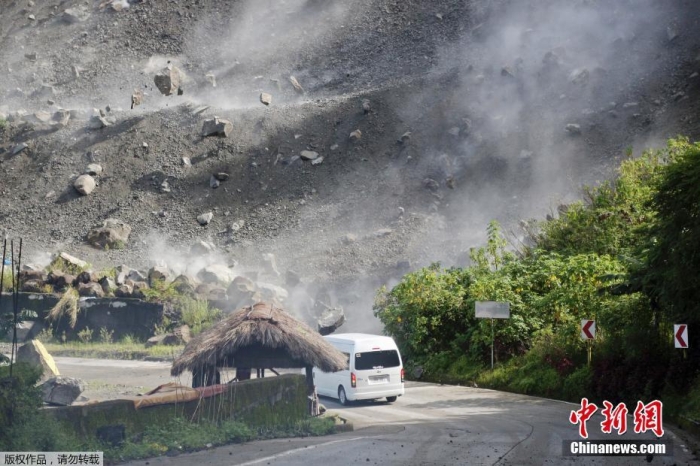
<point>25,427</point>
<point>627,256</point>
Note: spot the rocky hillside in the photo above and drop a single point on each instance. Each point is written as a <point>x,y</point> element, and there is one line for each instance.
<point>366,137</point>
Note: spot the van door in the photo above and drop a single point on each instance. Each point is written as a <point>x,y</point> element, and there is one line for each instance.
<point>377,370</point>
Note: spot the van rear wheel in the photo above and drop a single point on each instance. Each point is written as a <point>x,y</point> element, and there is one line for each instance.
<point>391,399</point>
<point>342,397</point>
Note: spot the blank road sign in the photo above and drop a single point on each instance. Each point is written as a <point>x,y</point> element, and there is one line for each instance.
<point>680,335</point>
<point>492,310</point>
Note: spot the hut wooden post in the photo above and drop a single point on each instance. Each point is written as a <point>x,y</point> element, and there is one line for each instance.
<point>311,391</point>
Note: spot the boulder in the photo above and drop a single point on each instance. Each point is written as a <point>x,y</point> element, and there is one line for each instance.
<point>168,80</point>
<point>67,262</point>
<point>295,84</point>
<point>94,169</point>
<point>84,184</point>
<point>91,289</point>
<point>136,99</point>
<point>60,118</point>
<point>308,155</point>
<point>348,238</point>
<point>216,273</point>
<point>34,353</point>
<point>124,291</point>
<point>213,182</point>
<point>265,98</point>
<point>158,274</point>
<point>75,15</point>
<point>19,148</point>
<point>356,135</point>
<point>113,234</point>
<point>107,285</point>
<point>139,288</point>
<point>33,286</point>
<point>272,292</point>
<point>216,293</point>
<point>204,219</point>
<point>185,284</point>
<point>221,176</point>
<point>136,276</point>
<point>330,320</point>
<point>180,336</point>
<point>217,127</point>
<point>573,129</point>
<point>62,391</point>
<point>201,248</point>
<point>98,122</point>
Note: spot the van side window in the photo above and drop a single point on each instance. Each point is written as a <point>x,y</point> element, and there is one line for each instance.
<point>347,361</point>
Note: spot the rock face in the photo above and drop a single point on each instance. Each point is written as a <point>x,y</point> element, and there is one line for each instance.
<point>168,80</point>
<point>34,353</point>
<point>113,234</point>
<point>84,184</point>
<point>217,127</point>
<point>62,391</point>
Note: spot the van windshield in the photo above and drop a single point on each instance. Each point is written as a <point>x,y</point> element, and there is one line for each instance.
<point>377,360</point>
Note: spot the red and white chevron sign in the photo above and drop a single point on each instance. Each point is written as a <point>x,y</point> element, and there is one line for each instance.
<point>588,329</point>
<point>680,335</point>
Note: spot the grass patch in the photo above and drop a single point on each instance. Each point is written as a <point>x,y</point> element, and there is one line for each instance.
<point>121,350</point>
<point>181,436</point>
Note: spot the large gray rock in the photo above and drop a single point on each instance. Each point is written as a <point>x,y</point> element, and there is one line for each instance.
<point>168,80</point>
<point>241,292</point>
<point>67,262</point>
<point>217,127</point>
<point>84,184</point>
<point>185,284</point>
<point>113,234</point>
<point>179,336</point>
<point>34,353</point>
<point>204,219</point>
<point>331,319</point>
<point>272,292</point>
<point>216,273</point>
<point>62,391</point>
<point>158,274</point>
<point>75,15</point>
<point>91,290</point>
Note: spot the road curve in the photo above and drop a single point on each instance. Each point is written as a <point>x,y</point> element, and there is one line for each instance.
<point>435,425</point>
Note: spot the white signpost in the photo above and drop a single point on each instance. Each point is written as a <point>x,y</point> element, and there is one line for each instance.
<point>680,335</point>
<point>492,310</point>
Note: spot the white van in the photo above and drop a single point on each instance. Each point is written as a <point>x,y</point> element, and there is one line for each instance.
<point>374,369</point>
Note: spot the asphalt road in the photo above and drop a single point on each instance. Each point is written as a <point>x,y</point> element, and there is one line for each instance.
<point>430,425</point>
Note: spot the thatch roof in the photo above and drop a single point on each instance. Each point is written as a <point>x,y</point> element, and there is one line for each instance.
<point>259,336</point>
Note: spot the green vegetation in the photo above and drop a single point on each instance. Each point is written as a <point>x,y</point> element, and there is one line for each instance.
<point>126,349</point>
<point>627,257</point>
<point>25,427</point>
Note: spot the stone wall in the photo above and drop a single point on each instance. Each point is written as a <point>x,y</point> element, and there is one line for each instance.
<point>268,402</point>
<point>122,316</point>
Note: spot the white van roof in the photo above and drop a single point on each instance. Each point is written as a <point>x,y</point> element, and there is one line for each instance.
<point>360,337</point>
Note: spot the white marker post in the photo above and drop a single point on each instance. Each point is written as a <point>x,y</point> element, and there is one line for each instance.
<point>492,310</point>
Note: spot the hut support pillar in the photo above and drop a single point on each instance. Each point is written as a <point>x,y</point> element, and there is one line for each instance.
<point>311,391</point>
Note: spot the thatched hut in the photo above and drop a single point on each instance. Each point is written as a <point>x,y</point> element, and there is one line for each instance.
<point>259,336</point>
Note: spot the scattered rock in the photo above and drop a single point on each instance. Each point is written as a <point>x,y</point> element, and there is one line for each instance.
<point>165,187</point>
<point>216,273</point>
<point>60,118</point>
<point>366,107</point>
<point>382,232</point>
<point>75,15</point>
<point>356,135</point>
<point>348,238</point>
<point>98,122</point>
<point>113,234</point>
<point>180,336</point>
<point>91,289</point>
<point>32,56</point>
<point>330,320</point>
<point>217,127</point>
<point>272,292</point>
<point>136,99</point>
<point>185,284</point>
<point>62,391</point>
<point>168,80</point>
<point>94,169</point>
<point>296,85</point>
<point>573,129</point>
<point>204,219</point>
<point>139,288</point>
<point>33,352</point>
<point>308,155</point>
<point>124,291</point>
<point>265,98</point>
<point>136,276</point>
<point>186,162</point>
<point>107,285</point>
<point>66,261</point>
<point>201,248</point>
<point>19,148</point>
<point>579,76</point>
<point>84,184</point>
<point>158,273</point>
<point>211,78</point>
<point>404,137</point>
<point>221,176</point>
<point>317,161</point>
<point>213,182</point>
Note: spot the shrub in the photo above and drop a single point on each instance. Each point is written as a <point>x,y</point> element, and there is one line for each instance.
<point>85,335</point>
<point>578,384</point>
<point>106,336</point>
<point>197,314</point>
